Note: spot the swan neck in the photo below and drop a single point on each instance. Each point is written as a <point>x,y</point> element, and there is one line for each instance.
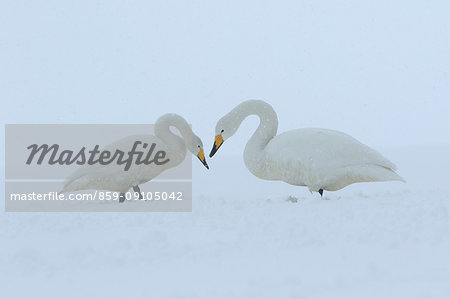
<point>162,130</point>
<point>268,122</point>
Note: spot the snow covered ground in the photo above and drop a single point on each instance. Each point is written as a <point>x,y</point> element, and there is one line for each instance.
<point>377,70</point>
<point>244,239</point>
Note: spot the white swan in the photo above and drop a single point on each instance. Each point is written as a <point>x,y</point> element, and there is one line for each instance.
<point>319,159</point>
<point>113,177</point>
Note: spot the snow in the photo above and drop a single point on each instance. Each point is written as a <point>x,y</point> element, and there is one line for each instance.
<point>376,70</point>
<point>244,239</point>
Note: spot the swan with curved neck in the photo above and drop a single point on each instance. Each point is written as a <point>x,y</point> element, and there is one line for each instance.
<point>113,177</point>
<point>319,159</point>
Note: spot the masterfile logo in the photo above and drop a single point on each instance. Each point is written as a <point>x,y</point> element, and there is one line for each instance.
<point>64,167</point>
<point>94,156</point>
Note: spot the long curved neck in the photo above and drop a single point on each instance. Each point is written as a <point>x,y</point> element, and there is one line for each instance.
<point>268,123</point>
<point>162,130</point>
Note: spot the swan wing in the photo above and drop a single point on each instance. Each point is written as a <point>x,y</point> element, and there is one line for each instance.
<point>113,176</point>
<point>319,158</point>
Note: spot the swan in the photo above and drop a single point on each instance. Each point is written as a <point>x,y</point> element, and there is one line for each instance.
<point>113,177</point>
<point>319,159</point>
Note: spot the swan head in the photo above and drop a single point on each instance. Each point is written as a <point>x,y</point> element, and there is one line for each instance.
<point>225,128</point>
<point>196,148</point>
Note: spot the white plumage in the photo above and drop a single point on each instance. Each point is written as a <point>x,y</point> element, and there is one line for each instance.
<point>113,177</point>
<point>320,159</point>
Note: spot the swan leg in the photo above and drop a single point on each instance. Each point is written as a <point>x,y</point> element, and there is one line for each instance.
<point>122,197</point>
<point>321,192</point>
<point>138,190</point>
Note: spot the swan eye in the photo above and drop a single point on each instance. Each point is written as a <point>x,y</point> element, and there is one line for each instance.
<point>221,131</point>
<point>198,146</point>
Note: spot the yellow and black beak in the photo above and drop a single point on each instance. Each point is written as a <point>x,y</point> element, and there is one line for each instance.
<point>201,157</point>
<point>218,141</point>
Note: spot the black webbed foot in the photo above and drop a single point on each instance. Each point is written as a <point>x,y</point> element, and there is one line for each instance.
<point>122,197</point>
<point>138,190</point>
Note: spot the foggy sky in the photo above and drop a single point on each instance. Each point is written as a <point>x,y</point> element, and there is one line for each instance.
<point>378,70</point>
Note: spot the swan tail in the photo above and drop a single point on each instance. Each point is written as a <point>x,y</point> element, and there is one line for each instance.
<point>394,176</point>
<point>362,173</point>
<point>375,173</point>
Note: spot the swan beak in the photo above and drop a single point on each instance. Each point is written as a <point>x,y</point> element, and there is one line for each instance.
<point>217,143</point>
<point>201,157</point>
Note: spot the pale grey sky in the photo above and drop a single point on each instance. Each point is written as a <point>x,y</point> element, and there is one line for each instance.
<point>378,70</point>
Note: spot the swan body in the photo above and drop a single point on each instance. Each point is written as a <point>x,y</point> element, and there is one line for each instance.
<point>319,159</point>
<point>113,177</point>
